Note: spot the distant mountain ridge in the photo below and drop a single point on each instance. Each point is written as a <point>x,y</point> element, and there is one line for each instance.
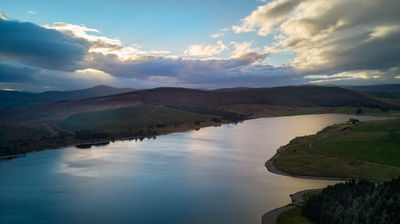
<point>292,96</point>
<point>385,91</point>
<point>10,99</point>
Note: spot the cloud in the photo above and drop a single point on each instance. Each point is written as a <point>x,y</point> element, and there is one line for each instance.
<point>128,52</point>
<point>217,35</point>
<point>161,71</point>
<point>241,48</point>
<point>220,33</point>
<point>333,42</point>
<point>23,77</point>
<point>31,12</point>
<point>81,31</point>
<point>41,56</point>
<point>102,60</point>
<point>93,74</point>
<point>365,77</point>
<point>266,17</point>
<point>332,37</point>
<point>31,44</point>
<point>244,52</point>
<point>367,74</point>
<point>3,15</point>
<point>246,75</point>
<point>102,44</point>
<point>202,50</point>
<point>14,72</point>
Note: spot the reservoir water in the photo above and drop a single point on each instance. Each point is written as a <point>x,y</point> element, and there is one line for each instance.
<point>213,175</point>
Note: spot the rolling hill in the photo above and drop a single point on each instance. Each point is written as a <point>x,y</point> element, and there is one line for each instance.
<point>10,99</point>
<point>163,110</point>
<point>199,100</point>
<point>384,91</point>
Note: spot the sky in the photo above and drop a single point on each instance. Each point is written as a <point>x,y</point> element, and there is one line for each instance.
<point>64,45</point>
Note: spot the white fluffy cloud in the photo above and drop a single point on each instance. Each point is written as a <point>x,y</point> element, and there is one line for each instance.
<point>81,31</point>
<point>217,35</point>
<point>266,17</point>
<point>3,15</point>
<point>362,76</point>
<point>126,53</point>
<point>90,74</point>
<point>245,52</point>
<point>220,33</point>
<point>31,12</point>
<point>102,44</point>
<point>206,50</point>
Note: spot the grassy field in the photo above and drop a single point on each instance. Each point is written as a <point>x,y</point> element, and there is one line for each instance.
<point>299,159</point>
<point>345,148</point>
<point>137,121</point>
<point>375,141</point>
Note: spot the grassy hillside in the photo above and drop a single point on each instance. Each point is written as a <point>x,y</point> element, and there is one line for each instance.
<point>375,141</point>
<point>292,99</point>
<point>362,150</point>
<point>343,151</point>
<point>149,116</point>
<point>290,96</point>
<point>385,91</point>
<point>162,110</point>
<point>261,110</point>
<point>137,121</point>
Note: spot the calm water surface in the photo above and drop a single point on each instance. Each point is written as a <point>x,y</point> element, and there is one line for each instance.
<point>214,175</point>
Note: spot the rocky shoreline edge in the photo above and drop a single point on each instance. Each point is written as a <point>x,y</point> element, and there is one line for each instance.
<point>271,217</point>
<point>297,200</point>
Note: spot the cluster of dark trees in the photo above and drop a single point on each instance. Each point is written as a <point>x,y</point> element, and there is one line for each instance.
<point>356,202</point>
<point>353,120</point>
<point>144,132</point>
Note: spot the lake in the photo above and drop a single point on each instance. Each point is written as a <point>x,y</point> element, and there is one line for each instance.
<point>213,175</point>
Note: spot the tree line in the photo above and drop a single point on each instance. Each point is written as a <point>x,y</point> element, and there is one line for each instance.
<point>356,202</point>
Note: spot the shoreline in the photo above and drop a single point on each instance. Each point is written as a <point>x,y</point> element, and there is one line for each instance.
<point>297,200</point>
<point>269,164</point>
<point>114,139</point>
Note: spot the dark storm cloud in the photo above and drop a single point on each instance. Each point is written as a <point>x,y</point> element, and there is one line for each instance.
<point>28,43</point>
<point>9,72</point>
<point>144,67</point>
<point>196,72</point>
<point>29,78</point>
